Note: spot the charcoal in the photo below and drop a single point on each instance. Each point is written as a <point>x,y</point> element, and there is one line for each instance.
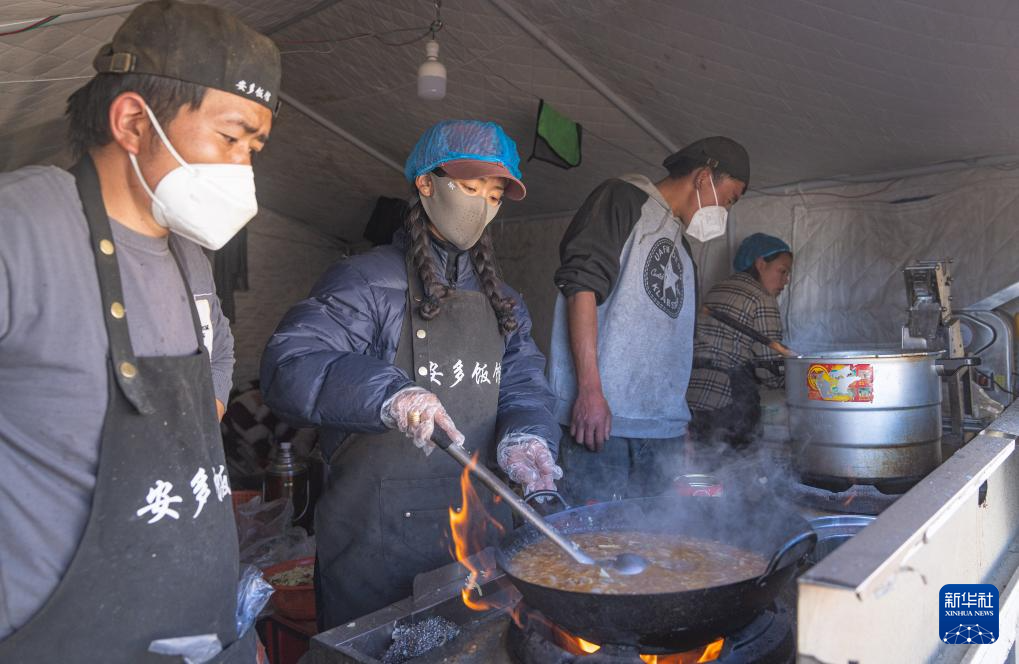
<point>415,639</point>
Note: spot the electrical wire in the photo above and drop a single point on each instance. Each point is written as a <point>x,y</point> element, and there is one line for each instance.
<point>431,30</point>
<point>587,130</point>
<point>38,24</point>
<point>362,35</point>
<point>1006,390</point>
<point>435,26</point>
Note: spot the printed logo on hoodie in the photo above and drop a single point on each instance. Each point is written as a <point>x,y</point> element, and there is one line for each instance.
<point>663,277</point>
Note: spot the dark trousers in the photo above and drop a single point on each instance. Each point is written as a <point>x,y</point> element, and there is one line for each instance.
<point>625,468</point>
<point>734,425</point>
<point>723,435</point>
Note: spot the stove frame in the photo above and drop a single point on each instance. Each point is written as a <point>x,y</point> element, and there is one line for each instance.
<point>489,637</point>
<point>880,589</point>
<point>959,525</point>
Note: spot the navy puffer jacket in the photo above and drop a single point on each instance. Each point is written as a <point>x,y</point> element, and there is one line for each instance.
<point>330,361</point>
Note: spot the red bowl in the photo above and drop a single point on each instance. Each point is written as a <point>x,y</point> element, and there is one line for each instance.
<point>295,602</point>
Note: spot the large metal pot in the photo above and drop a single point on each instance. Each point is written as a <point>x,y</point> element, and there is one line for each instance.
<point>865,417</point>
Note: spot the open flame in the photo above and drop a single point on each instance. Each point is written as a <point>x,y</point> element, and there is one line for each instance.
<point>469,527</point>
<point>578,646</point>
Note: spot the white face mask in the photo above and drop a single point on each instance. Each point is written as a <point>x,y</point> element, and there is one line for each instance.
<point>460,218</point>
<point>206,203</point>
<point>709,220</point>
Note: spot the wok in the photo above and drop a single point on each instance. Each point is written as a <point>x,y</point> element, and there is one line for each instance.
<point>669,621</point>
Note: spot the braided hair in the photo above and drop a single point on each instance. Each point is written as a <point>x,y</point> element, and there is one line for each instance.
<point>482,256</point>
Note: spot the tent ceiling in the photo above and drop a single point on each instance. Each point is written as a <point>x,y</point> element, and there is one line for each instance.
<point>813,88</point>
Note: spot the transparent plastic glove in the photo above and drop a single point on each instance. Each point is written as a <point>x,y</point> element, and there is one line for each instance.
<point>526,460</point>
<point>193,649</point>
<point>415,411</point>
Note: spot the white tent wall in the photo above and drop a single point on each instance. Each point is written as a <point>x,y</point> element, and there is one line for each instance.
<point>285,258</point>
<point>528,254</point>
<point>851,243</point>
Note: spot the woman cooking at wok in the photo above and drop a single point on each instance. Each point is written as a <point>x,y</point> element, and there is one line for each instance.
<point>723,393</point>
<point>402,342</point>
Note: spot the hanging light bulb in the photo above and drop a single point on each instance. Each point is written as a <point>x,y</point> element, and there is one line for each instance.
<point>432,73</point>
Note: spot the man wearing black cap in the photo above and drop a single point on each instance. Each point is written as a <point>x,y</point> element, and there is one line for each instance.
<point>114,355</point>
<point>622,340</point>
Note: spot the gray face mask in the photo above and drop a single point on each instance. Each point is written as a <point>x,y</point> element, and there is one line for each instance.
<point>460,218</point>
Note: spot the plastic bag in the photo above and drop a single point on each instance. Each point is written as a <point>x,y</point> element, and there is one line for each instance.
<point>193,649</point>
<point>266,536</point>
<point>253,592</point>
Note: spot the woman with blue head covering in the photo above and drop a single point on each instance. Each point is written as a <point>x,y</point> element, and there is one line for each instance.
<point>412,340</point>
<point>723,393</point>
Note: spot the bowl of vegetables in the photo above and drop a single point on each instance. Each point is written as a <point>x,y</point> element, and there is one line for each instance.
<point>293,582</point>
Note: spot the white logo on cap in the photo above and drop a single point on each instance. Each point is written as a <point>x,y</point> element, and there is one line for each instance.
<point>253,89</point>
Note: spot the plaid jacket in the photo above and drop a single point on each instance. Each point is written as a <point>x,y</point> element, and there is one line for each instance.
<point>718,345</point>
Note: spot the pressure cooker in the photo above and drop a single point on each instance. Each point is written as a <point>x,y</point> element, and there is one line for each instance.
<point>866,417</point>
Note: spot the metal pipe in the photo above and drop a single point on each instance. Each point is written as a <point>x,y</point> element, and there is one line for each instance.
<point>341,132</point>
<point>514,501</point>
<point>583,72</point>
<point>72,17</point>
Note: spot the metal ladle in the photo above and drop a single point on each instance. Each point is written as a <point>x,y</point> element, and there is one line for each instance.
<point>731,322</point>
<point>625,563</point>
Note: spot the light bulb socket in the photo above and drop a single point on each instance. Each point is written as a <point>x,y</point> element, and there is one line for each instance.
<point>432,74</point>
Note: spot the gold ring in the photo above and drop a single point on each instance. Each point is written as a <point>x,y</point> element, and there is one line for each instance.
<point>414,418</point>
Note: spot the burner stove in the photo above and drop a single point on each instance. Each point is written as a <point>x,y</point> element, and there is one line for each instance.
<point>858,499</point>
<point>492,637</point>
<point>767,640</point>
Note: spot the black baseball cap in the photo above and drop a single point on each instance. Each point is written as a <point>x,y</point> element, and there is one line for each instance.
<point>718,153</point>
<point>197,44</point>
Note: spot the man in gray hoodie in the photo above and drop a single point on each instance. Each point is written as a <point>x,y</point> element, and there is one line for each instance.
<point>622,339</point>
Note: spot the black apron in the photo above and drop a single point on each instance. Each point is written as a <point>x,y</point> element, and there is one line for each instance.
<point>384,515</point>
<point>154,562</point>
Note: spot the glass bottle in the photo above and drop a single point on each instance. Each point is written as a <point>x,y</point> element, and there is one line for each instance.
<point>287,477</point>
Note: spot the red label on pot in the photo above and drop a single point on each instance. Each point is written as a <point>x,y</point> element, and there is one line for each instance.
<point>841,382</point>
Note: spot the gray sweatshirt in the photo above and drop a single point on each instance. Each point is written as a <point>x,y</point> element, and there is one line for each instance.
<point>626,246</point>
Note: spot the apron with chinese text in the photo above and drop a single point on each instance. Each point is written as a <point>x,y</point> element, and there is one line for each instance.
<point>159,555</point>
<point>384,515</point>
